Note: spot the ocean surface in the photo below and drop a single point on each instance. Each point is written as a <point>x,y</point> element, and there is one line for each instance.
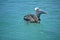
<point>13,26</point>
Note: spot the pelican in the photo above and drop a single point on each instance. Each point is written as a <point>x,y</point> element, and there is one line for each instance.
<point>34,18</point>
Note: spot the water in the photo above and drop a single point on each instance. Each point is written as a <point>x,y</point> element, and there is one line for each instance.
<point>13,27</point>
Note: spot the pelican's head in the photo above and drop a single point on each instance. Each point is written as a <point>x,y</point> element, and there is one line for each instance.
<point>36,8</point>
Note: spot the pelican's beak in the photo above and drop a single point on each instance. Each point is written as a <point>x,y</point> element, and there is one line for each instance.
<point>45,12</point>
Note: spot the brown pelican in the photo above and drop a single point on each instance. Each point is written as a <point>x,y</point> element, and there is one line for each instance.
<point>34,18</point>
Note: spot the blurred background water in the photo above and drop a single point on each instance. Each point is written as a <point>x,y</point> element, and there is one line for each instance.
<point>13,27</point>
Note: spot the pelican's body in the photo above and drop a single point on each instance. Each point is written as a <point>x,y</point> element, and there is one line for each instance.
<point>31,18</point>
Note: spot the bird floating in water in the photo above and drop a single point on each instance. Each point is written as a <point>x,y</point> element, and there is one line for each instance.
<point>34,18</point>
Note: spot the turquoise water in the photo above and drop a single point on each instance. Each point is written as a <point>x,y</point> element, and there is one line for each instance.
<point>13,27</point>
